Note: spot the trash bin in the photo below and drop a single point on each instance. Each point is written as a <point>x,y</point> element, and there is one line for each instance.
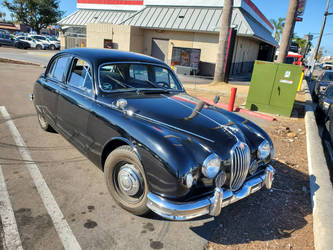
<point>273,87</point>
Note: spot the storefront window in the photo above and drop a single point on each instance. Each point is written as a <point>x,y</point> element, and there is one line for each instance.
<point>186,57</point>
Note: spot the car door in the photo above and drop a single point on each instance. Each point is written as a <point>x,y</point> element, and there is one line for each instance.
<point>55,76</point>
<point>74,104</point>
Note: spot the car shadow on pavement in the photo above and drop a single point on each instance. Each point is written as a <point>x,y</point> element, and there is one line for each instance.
<point>265,215</point>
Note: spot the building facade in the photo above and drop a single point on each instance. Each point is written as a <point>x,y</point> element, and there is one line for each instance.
<point>181,33</point>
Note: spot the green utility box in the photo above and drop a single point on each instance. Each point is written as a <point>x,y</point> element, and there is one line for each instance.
<point>273,87</point>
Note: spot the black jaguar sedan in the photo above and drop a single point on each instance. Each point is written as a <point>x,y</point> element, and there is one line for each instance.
<point>160,149</point>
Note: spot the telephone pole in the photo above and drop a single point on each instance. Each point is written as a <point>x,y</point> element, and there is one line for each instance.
<point>322,28</point>
<point>287,30</point>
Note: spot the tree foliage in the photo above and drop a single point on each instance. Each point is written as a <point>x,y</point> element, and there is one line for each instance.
<point>36,13</point>
<point>278,27</point>
<point>301,42</point>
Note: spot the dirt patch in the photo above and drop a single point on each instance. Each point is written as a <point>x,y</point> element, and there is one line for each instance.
<point>224,97</point>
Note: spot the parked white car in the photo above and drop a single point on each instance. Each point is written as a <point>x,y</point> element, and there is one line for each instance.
<point>33,42</point>
<point>52,43</point>
<point>41,39</point>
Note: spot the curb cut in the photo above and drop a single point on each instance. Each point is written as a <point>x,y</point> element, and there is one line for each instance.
<point>321,189</point>
<point>8,60</point>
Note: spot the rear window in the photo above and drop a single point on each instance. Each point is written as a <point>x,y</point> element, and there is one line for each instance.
<point>80,75</point>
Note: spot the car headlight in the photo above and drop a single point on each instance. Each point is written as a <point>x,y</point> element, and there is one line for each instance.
<point>211,166</point>
<point>264,150</point>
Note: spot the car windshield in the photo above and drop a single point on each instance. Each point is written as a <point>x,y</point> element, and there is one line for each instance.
<point>136,76</point>
<point>328,77</point>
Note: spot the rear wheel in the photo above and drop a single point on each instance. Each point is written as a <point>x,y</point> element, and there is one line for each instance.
<point>126,181</point>
<point>43,123</point>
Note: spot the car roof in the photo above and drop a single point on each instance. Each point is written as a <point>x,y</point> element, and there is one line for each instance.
<point>99,56</point>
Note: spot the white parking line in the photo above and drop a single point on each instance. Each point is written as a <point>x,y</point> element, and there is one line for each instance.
<point>64,231</point>
<point>12,236</point>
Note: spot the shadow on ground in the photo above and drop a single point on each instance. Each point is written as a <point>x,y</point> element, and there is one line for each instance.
<point>264,215</point>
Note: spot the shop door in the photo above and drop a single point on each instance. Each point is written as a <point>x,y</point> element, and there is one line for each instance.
<point>160,49</point>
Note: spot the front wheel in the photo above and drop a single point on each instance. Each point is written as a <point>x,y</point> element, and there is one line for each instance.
<point>39,46</point>
<point>126,181</point>
<point>52,47</point>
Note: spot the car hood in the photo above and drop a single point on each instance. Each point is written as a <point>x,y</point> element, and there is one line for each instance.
<point>212,126</point>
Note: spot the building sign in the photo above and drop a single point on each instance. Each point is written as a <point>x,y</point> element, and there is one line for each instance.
<point>187,57</point>
<point>301,7</point>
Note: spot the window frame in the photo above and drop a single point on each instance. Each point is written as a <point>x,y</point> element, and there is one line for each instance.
<point>135,62</point>
<point>84,90</point>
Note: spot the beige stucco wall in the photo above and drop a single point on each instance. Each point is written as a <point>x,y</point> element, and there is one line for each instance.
<point>206,42</point>
<point>139,40</point>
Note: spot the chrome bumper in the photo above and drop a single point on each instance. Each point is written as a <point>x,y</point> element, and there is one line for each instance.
<point>209,205</point>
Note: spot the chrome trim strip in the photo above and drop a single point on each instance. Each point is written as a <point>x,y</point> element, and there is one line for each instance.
<point>240,164</point>
<point>209,205</point>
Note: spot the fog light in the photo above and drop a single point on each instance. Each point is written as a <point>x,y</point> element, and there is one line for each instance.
<point>253,167</point>
<point>189,180</point>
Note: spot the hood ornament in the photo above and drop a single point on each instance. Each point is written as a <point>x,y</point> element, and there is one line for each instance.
<point>196,110</point>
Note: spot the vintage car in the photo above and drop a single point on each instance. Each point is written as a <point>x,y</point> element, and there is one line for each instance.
<point>160,149</point>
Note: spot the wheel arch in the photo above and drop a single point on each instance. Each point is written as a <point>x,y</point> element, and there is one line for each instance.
<point>112,145</point>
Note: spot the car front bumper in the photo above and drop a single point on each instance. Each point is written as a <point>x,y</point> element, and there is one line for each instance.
<point>209,205</point>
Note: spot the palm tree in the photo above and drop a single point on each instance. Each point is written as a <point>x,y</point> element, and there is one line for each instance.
<point>223,40</point>
<point>278,27</point>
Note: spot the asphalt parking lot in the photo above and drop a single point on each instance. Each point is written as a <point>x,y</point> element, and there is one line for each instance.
<point>59,200</point>
<point>88,215</point>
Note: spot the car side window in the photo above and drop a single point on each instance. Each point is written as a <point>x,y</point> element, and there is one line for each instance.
<point>59,68</point>
<point>163,76</point>
<point>80,75</point>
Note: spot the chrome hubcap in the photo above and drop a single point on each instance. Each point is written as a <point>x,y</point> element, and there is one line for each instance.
<point>129,180</point>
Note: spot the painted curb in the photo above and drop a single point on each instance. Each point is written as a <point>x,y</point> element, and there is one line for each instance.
<point>15,61</point>
<point>321,189</point>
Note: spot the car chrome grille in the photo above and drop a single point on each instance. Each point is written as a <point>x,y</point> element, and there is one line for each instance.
<point>240,163</point>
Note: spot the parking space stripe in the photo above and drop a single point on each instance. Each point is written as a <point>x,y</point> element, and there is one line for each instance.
<point>12,236</point>
<point>64,231</point>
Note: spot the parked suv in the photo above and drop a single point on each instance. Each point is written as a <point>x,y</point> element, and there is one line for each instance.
<point>52,43</point>
<point>33,42</point>
<point>41,39</point>
<point>6,39</point>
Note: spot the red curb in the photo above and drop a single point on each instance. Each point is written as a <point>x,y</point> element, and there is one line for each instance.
<point>262,116</point>
<point>238,109</point>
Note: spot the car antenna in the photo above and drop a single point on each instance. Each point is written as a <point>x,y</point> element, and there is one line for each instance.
<point>196,110</point>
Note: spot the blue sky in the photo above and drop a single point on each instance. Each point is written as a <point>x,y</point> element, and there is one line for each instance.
<point>312,18</point>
